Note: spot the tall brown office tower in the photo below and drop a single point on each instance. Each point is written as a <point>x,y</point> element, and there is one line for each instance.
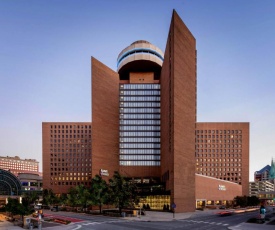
<point>178,111</point>
<point>144,116</point>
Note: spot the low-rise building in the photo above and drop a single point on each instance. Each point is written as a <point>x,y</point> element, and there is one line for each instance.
<point>260,186</point>
<point>30,181</point>
<point>17,165</point>
<point>215,192</point>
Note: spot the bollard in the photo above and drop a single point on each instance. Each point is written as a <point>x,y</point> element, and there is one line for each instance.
<point>39,222</point>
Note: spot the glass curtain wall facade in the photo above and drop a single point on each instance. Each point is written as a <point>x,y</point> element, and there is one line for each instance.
<point>139,112</point>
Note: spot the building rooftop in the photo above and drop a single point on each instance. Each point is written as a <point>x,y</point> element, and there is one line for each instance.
<point>140,56</point>
<point>266,168</point>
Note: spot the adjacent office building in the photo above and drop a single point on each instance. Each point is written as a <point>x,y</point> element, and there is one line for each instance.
<point>222,151</point>
<point>144,126</point>
<point>66,155</point>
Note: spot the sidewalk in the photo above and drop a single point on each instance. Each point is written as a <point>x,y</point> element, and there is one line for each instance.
<point>166,216</point>
<point>169,216</point>
<point>6,225</point>
<point>247,226</point>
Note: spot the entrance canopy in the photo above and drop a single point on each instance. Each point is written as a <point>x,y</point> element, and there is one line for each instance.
<point>9,184</point>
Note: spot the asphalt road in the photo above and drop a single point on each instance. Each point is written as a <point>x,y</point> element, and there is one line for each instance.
<point>211,222</point>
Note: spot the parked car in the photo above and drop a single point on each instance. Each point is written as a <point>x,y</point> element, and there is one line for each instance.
<point>225,213</point>
<point>54,209</point>
<point>222,207</point>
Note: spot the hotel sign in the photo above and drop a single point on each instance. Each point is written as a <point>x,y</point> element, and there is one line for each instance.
<point>222,187</point>
<point>103,172</point>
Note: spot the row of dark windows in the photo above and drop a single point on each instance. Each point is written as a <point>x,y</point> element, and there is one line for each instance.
<point>71,131</point>
<point>219,136</point>
<point>76,150</point>
<point>67,155</point>
<point>57,138</point>
<point>70,159</point>
<point>71,126</point>
<point>73,136</point>
<point>224,146</point>
<point>70,183</point>
<point>219,131</point>
<point>71,169</point>
<point>232,155</point>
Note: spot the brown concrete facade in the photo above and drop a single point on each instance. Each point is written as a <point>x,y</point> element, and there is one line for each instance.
<point>66,155</point>
<point>141,78</point>
<point>178,108</point>
<point>215,191</point>
<point>105,117</point>
<point>222,151</point>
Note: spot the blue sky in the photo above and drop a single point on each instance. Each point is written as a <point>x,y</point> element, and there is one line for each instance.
<point>45,71</point>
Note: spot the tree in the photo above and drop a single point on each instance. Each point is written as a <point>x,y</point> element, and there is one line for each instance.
<point>49,197</point>
<point>99,192</point>
<point>78,196</point>
<point>253,201</point>
<point>30,198</point>
<point>72,197</point>
<point>241,201</point>
<point>62,199</point>
<point>15,208</point>
<point>83,196</point>
<point>122,192</point>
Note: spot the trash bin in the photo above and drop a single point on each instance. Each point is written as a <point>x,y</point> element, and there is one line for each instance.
<point>134,212</point>
<point>123,214</point>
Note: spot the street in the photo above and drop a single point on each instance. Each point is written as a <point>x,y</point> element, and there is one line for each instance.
<point>196,221</point>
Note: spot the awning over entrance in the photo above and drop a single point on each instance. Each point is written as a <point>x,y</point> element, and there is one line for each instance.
<point>9,184</point>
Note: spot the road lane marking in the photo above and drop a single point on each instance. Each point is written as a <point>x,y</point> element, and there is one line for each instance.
<point>78,227</point>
